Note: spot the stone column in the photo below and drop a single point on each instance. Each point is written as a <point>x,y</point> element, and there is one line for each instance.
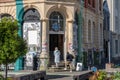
<point>44,53</point>
<point>69,38</point>
<point>70,35</point>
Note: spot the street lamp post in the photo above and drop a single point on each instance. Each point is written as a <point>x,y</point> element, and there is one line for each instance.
<point>109,52</point>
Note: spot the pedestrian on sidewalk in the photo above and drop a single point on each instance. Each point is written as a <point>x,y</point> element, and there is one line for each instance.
<point>74,59</point>
<point>56,56</point>
<point>69,58</point>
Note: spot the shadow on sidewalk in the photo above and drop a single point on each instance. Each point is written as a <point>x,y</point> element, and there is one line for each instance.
<point>56,76</point>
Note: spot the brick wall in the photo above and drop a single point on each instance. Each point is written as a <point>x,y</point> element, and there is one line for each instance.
<point>90,6</point>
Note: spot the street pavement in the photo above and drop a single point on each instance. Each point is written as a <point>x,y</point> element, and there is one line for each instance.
<point>63,75</point>
<point>66,75</point>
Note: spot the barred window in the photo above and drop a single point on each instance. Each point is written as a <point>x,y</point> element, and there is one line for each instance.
<point>56,21</point>
<point>116,46</point>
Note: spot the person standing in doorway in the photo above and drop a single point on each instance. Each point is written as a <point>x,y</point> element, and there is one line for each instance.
<point>56,56</point>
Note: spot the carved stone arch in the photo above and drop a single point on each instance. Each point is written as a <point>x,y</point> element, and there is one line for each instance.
<point>67,14</point>
<point>32,6</point>
<point>6,15</point>
<point>22,11</point>
<point>31,14</point>
<point>8,10</point>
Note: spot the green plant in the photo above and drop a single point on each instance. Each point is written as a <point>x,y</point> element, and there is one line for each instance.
<point>1,77</point>
<point>9,79</point>
<point>12,46</point>
<point>102,75</point>
<point>116,76</point>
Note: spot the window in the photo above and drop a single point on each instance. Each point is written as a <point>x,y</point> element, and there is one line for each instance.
<point>116,46</point>
<point>89,31</point>
<point>56,21</point>
<point>108,22</point>
<point>89,1</point>
<point>116,24</point>
<point>93,3</point>
<point>101,34</point>
<point>76,18</point>
<point>100,4</point>
<point>116,4</point>
<point>93,32</point>
<point>31,15</point>
<point>104,26</point>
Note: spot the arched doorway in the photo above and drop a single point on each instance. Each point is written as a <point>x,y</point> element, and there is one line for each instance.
<point>32,34</point>
<point>32,29</point>
<point>56,34</point>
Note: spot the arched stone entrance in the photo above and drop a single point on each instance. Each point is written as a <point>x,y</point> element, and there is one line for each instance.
<point>32,34</point>
<point>56,34</point>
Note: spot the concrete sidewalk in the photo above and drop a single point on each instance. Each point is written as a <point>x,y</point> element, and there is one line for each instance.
<point>63,75</point>
<point>25,75</point>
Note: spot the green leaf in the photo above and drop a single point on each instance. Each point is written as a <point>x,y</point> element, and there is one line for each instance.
<point>12,46</point>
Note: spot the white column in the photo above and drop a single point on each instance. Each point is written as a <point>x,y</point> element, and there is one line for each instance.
<point>44,54</point>
<point>70,35</point>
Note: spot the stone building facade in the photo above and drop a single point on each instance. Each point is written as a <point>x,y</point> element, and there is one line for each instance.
<point>46,24</point>
<point>113,6</point>
<point>93,31</point>
<point>106,31</point>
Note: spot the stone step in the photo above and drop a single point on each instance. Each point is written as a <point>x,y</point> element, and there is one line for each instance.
<point>61,64</point>
<point>58,69</point>
<point>55,69</point>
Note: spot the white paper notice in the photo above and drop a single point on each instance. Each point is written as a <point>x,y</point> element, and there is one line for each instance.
<point>32,37</point>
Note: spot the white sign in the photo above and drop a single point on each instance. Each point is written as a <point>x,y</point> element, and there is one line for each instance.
<point>79,67</point>
<point>32,34</point>
<point>32,37</point>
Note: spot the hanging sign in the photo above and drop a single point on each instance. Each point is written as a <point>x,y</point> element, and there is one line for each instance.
<point>79,67</point>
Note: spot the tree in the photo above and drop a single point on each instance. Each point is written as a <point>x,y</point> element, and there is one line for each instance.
<point>12,46</point>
